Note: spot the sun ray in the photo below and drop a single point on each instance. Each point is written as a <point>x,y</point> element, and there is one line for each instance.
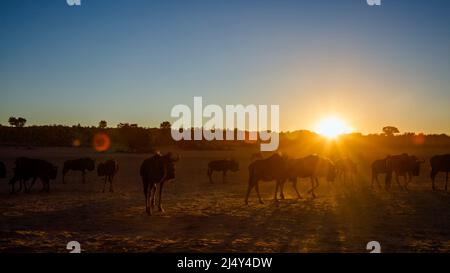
<point>331,127</point>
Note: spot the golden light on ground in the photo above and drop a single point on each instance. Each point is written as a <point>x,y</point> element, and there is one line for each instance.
<point>332,127</point>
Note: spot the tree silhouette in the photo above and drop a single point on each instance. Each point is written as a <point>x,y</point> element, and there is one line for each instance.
<point>165,125</point>
<point>21,122</point>
<point>102,124</point>
<point>390,130</point>
<point>17,122</point>
<point>12,121</point>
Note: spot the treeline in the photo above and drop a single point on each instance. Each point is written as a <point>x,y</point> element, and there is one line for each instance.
<point>132,138</point>
<point>126,138</point>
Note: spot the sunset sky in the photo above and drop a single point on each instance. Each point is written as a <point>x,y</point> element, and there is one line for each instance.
<point>131,61</point>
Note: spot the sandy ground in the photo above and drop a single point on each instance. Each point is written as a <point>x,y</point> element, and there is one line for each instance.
<point>203,217</point>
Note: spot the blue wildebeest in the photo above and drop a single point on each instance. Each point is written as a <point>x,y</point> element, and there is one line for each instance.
<point>378,167</point>
<point>346,168</point>
<point>30,168</point>
<point>269,169</point>
<point>312,167</point>
<point>154,172</point>
<point>440,163</point>
<point>81,164</point>
<point>403,165</point>
<point>108,169</point>
<point>222,166</point>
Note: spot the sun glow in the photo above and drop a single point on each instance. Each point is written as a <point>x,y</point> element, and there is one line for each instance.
<point>332,127</point>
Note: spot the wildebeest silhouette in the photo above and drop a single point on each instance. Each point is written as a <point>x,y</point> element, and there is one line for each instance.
<point>378,167</point>
<point>154,172</point>
<point>2,170</point>
<point>30,168</point>
<point>269,169</point>
<point>346,168</point>
<point>108,169</point>
<point>81,164</point>
<point>403,165</point>
<point>440,163</point>
<point>222,166</point>
<point>312,167</point>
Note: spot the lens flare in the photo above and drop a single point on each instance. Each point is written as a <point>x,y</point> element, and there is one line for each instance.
<point>101,142</point>
<point>76,143</point>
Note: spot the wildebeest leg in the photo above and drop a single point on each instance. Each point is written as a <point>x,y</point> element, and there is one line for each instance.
<point>210,172</point>
<point>276,190</point>
<point>13,183</point>
<point>224,174</point>
<point>433,179</point>
<point>398,181</point>
<point>83,176</point>
<point>104,183</point>
<point>31,184</point>
<point>64,176</point>
<point>160,197</point>
<point>294,184</point>
<point>153,196</point>
<point>257,192</point>
<point>388,180</point>
<point>146,197</point>
<point>317,183</point>
<point>21,181</point>
<point>408,179</point>
<point>111,183</point>
<point>282,189</point>
<point>378,182</point>
<point>150,199</point>
<point>249,189</point>
<point>45,185</point>
<point>312,188</point>
<point>164,177</point>
<point>154,199</point>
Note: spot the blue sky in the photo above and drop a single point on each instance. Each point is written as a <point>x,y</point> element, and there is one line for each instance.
<point>131,61</point>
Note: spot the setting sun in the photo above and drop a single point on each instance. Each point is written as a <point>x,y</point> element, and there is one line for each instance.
<point>332,127</point>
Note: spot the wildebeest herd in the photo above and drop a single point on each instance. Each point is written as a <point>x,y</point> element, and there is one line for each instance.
<point>159,168</point>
